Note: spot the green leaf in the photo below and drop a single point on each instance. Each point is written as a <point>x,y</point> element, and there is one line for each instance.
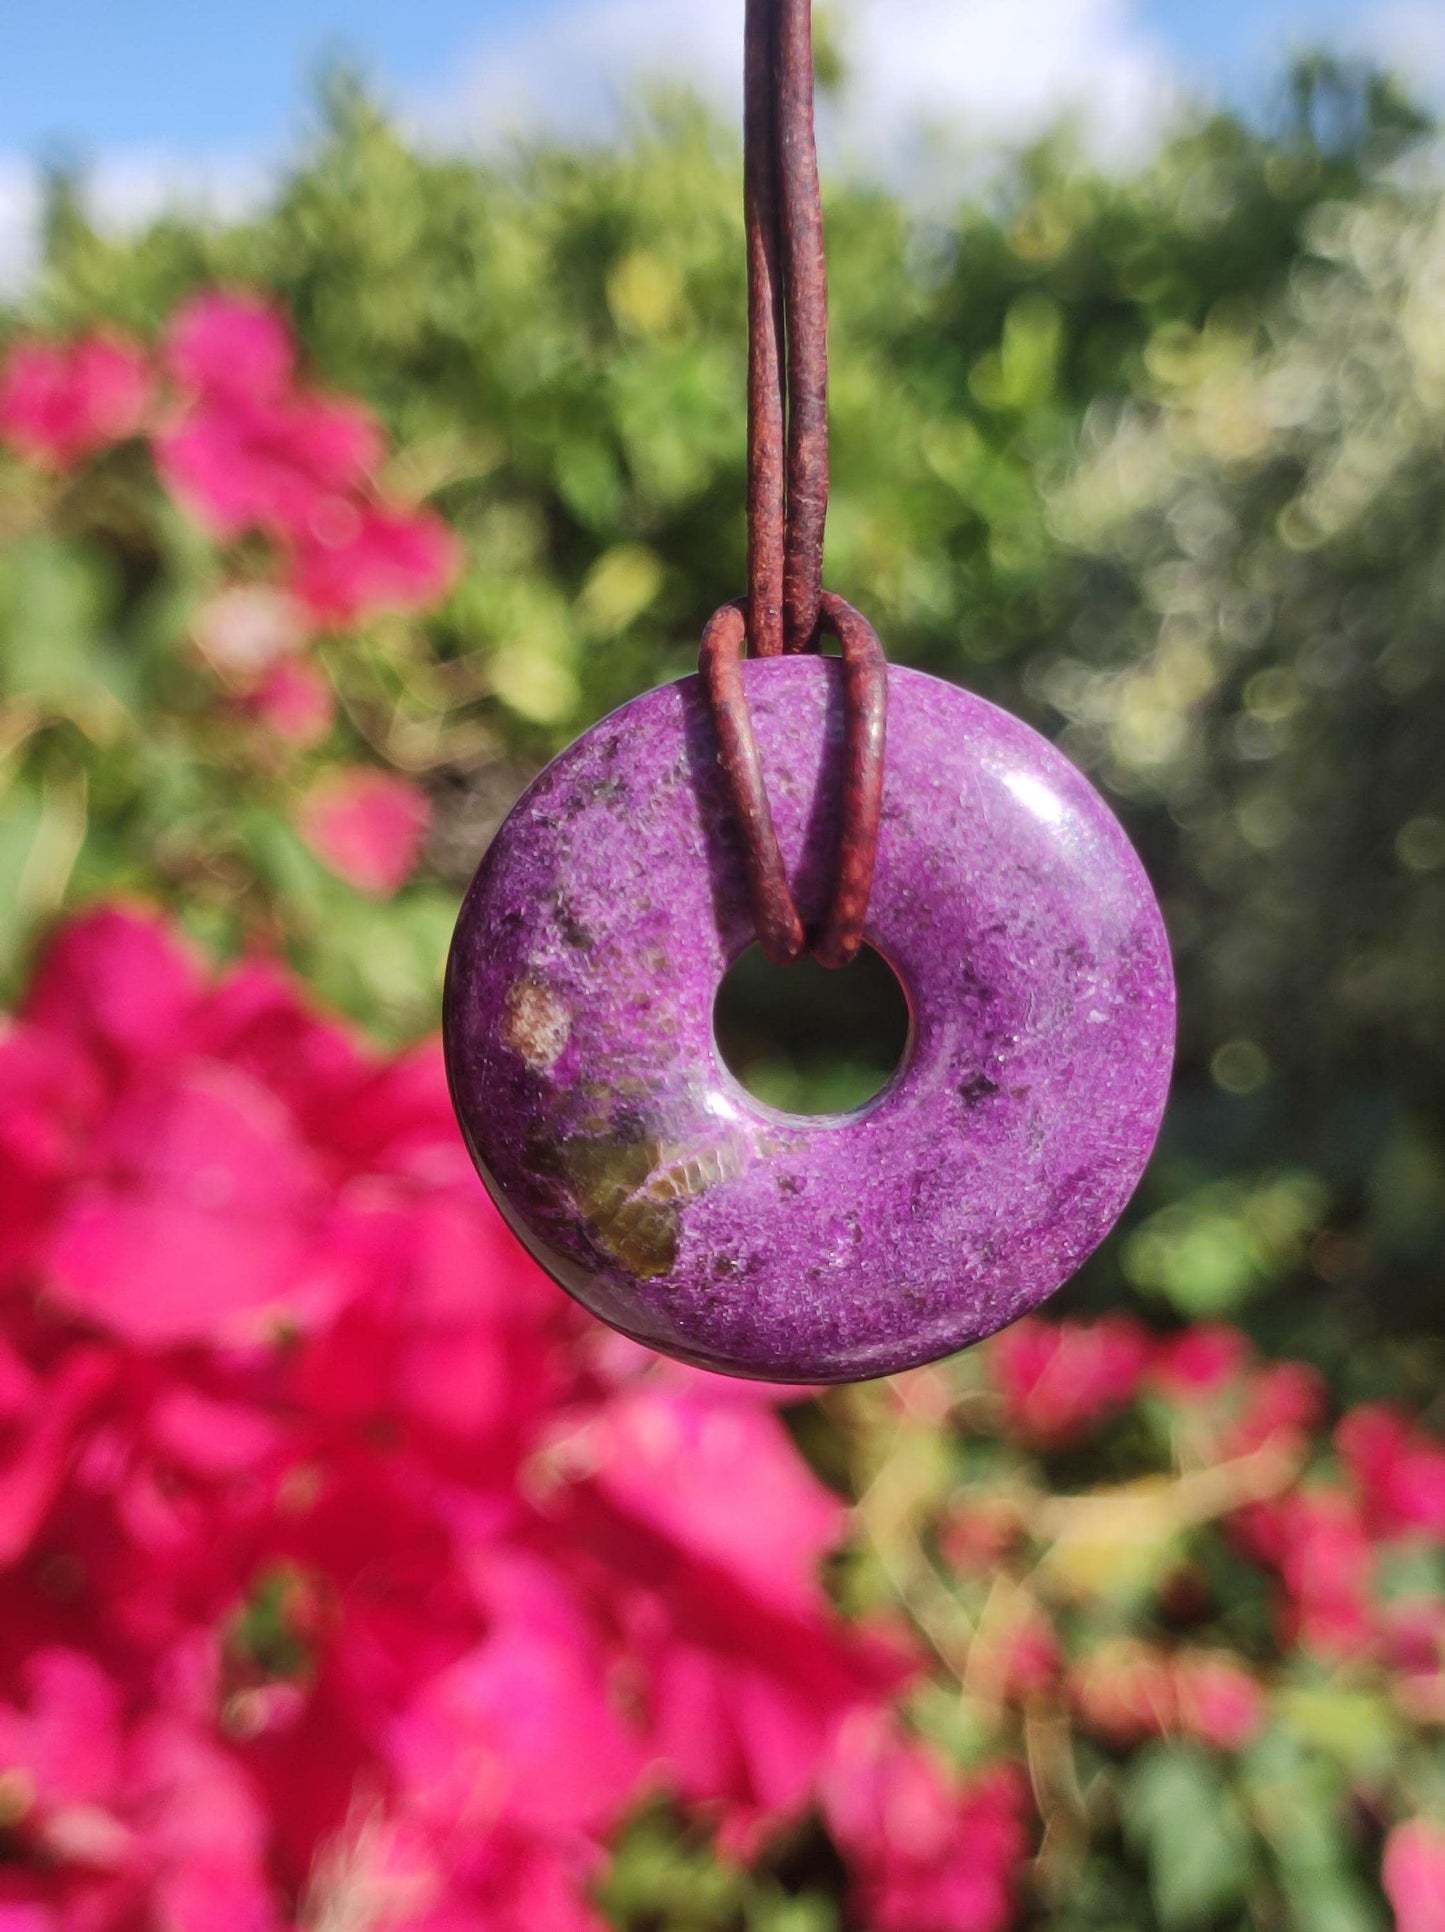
<point>1213,1250</point>
<point>1360,1729</point>
<point>1180,1813</point>
<point>1302,1803</point>
<point>54,597</point>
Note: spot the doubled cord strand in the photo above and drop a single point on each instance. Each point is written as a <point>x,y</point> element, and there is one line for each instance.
<point>805,274</point>
<point>786,609</point>
<point>767,403</point>
<point>775,913</point>
<point>865,710</point>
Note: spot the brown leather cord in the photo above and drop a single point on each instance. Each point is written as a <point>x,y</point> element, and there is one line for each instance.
<point>865,710</point>
<point>865,705</point>
<point>720,660</point>
<point>786,608</point>
<point>766,426</point>
<point>805,282</point>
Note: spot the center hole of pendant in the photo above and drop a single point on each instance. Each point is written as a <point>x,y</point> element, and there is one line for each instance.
<point>809,1040</point>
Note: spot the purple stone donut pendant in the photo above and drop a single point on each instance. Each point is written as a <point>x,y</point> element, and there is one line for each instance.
<point>696,1219</point>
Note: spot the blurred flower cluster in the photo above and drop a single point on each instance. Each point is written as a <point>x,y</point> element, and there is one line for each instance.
<point>251,453</point>
<point>351,1576</point>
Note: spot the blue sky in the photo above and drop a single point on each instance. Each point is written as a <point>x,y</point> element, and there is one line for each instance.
<point>92,76</point>
<point>161,99</point>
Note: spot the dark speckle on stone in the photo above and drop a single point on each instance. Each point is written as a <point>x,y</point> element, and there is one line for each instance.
<point>574,932</point>
<point>977,1087</point>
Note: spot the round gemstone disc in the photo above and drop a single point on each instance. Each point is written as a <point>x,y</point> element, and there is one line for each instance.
<point>699,1220</point>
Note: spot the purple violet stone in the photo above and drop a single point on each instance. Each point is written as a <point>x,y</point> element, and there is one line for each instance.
<point>693,1217</point>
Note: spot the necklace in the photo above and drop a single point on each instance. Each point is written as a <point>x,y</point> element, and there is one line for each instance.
<point>811,803</point>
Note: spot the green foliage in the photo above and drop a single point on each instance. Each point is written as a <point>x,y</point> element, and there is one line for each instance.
<point>667,1879</point>
<point>1211,1251</point>
<point>1181,1814</point>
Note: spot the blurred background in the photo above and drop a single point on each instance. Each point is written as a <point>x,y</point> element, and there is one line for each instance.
<point>371,421</point>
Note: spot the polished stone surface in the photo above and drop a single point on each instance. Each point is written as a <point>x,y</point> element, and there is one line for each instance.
<point>699,1220</point>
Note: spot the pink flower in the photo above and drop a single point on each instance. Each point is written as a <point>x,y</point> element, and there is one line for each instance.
<point>197,1213</point>
<point>239,462</point>
<point>295,701</point>
<point>1126,1691</point>
<point>354,559</point>
<point>1414,1875</point>
<point>1282,1403</point>
<point>926,1854</point>
<point>1399,1471</point>
<point>1216,1701</point>
<point>151,1822</point>
<point>721,1481</point>
<point>249,448</point>
<point>1197,1365</point>
<point>63,1741</point>
<point>1317,1542</point>
<point>183,1201</point>
<point>525,1716</point>
<point>368,826</point>
<point>48,1091</point>
<point>60,402</point>
<point>335,1564</point>
<point>204,1828</point>
<point>976,1536</point>
<point>236,346</point>
<point>745,1692</point>
<point>1413,1634</point>
<point>118,987</point>
<point>1060,1379</point>
<point>42,1449</point>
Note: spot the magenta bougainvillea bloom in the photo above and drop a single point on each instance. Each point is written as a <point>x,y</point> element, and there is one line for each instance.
<point>251,448</point>
<point>1058,1379</point>
<point>1126,1691</point>
<point>342,1558</point>
<point>63,401</point>
<point>245,445</point>
<point>354,559</point>
<point>294,701</point>
<point>930,1851</point>
<point>1399,1470</point>
<point>380,1572</point>
<point>1217,1700</point>
<point>1317,1540</point>
<point>1414,1873</point>
<point>1200,1364</point>
<point>239,464</point>
<point>229,343</point>
<point>367,825</point>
